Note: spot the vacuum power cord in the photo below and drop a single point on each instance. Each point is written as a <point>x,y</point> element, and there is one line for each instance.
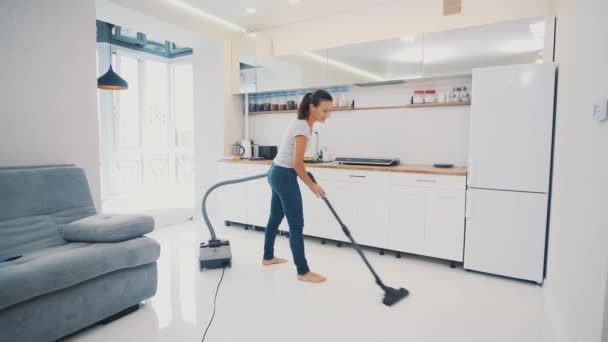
<point>214,300</point>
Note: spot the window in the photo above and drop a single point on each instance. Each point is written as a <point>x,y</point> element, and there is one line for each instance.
<point>152,134</point>
<point>128,105</point>
<point>183,106</point>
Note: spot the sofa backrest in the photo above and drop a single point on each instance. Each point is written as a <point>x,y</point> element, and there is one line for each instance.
<point>35,202</point>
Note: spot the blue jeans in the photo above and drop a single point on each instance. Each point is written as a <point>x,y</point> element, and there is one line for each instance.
<point>286,201</point>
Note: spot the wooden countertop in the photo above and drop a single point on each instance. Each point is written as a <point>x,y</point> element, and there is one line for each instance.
<point>428,169</point>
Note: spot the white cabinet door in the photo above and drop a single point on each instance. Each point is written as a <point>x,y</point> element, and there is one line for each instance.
<point>406,219</point>
<point>511,127</point>
<point>233,202</point>
<point>444,237</point>
<point>340,196</point>
<point>259,195</point>
<point>313,222</point>
<point>369,204</point>
<point>506,233</point>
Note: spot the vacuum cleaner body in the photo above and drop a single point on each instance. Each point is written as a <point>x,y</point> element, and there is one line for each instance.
<point>215,254</point>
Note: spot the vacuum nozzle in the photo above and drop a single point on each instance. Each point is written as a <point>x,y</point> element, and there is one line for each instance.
<point>392,295</point>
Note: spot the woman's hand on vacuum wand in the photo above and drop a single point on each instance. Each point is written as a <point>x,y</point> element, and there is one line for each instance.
<point>317,190</point>
<point>298,165</point>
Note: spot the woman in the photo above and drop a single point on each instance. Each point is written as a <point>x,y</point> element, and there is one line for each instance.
<point>287,166</point>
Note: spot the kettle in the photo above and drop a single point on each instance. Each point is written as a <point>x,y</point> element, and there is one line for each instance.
<point>238,150</point>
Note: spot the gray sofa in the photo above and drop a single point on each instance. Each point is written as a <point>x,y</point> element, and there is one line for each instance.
<point>76,268</point>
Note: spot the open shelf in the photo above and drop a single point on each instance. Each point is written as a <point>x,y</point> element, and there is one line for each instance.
<point>339,109</point>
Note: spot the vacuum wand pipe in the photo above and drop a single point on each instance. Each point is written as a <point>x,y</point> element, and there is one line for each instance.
<point>217,185</point>
<point>352,240</point>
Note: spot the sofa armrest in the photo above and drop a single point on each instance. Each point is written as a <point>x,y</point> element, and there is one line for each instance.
<point>108,228</point>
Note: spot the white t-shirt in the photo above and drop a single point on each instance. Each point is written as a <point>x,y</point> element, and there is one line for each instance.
<point>286,151</point>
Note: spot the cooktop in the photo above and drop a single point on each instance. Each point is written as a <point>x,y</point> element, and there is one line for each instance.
<point>368,161</point>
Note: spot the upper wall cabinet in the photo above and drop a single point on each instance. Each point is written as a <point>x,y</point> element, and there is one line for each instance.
<point>514,42</point>
<point>376,62</point>
<point>451,52</point>
<point>303,70</point>
<point>244,61</point>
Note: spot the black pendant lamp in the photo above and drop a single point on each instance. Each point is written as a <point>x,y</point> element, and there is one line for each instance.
<point>110,80</point>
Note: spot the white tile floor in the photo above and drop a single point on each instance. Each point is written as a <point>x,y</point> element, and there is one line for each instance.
<point>267,304</point>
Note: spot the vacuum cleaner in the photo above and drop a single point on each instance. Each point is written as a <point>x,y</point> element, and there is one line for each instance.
<point>215,253</point>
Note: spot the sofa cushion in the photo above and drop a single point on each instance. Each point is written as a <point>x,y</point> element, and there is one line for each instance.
<point>108,228</point>
<point>59,267</point>
<point>35,202</point>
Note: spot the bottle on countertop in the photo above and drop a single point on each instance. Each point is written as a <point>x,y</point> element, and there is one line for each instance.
<point>342,101</point>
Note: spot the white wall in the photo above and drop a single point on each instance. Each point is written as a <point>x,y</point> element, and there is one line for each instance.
<point>48,93</point>
<point>395,19</point>
<point>578,237</point>
<point>416,135</point>
<point>217,123</point>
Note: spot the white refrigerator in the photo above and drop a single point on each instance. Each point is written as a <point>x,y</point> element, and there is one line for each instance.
<point>509,168</point>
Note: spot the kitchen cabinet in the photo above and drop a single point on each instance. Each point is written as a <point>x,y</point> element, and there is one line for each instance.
<point>303,70</point>
<point>411,56</point>
<point>406,231</point>
<point>401,211</point>
<point>243,64</point>
<point>376,61</point>
<point>444,225</point>
<point>233,202</point>
<point>258,194</point>
<point>426,215</point>
<point>318,219</point>
<point>368,219</point>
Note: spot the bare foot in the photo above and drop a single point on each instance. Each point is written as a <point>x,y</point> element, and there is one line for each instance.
<point>273,261</point>
<point>312,277</point>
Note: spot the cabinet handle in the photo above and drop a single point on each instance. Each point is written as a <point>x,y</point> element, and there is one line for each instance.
<point>426,180</point>
<point>357,176</point>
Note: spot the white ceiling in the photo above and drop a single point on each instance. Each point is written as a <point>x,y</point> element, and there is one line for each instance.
<point>273,13</point>
<point>268,13</point>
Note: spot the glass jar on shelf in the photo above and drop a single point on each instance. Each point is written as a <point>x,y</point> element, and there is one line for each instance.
<point>464,95</point>
<point>282,101</point>
<point>453,96</point>
<point>430,96</point>
<point>299,98</point>
<point>334,95</point>
<point>252,104</point>
<point>257,103</point>
<point>274,102</point>
<point>291,100</point>
<point>342,98</point>
<point>418,97</point>
<point>267,105</point>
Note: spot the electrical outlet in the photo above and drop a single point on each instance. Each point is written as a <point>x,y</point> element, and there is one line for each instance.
<point>600,111</point>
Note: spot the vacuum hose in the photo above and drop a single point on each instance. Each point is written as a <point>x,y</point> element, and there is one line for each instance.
<point>226,182</point>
